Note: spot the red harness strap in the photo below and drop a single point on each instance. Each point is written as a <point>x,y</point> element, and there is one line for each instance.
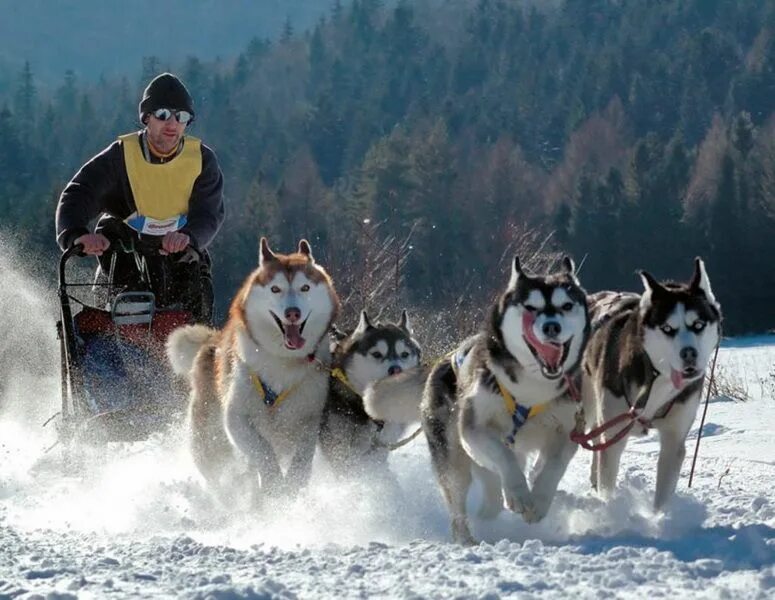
<point>585,439</point>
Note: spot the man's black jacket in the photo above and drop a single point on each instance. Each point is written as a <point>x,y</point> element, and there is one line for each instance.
<point>101,187</point>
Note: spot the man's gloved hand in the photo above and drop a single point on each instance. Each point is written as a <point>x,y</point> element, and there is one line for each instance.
<point>174,242</point>
<point>94,244</point>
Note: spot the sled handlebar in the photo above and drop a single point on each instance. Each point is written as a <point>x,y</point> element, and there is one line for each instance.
<point>75,249</point>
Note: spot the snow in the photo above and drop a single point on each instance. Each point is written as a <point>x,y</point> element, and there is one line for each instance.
<point>140,525</point>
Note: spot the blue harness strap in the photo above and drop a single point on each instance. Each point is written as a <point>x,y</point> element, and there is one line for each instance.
<point>519,414</point>
<point>518,419</point>
<point>268,395</point>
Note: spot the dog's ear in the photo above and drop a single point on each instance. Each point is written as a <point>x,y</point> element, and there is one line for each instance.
<point>650,284</point>
<point>701,281</point>
<point>569,268</point>
<point>516,273</point>
<point>651,288</point>
<point>304,248</point>
<point>404,322</point>
<point>363,324</point>
<point>265,254</point>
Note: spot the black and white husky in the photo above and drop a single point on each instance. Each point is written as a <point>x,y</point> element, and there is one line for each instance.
<point>505,394</point>
<point>649,353</point>
<point>350,438</point>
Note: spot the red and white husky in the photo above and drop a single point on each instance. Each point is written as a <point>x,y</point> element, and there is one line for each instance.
<point>258,384</point>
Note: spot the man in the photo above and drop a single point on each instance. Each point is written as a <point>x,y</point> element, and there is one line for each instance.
<point>156,188</point>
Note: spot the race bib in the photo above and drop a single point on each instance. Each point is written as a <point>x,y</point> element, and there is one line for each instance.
<point>150,226</point>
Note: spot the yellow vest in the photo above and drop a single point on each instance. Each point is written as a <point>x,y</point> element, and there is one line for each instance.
<point>162,191</point>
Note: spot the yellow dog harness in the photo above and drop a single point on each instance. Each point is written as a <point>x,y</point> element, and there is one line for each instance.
<point>519,414</point>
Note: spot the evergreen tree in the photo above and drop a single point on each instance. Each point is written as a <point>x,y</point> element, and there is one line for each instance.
<point>336,11</point>
<point>287,34</point>
<point>151,68</point>
<point>196,80</point>
<point>743,134</point>
<point>67,94</point>
<point>439,238</point>
<point>11,166</point>
<point>25,100</point>
<point>724,237</point>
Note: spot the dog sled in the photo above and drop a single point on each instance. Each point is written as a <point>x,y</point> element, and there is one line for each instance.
<point>115,385</point>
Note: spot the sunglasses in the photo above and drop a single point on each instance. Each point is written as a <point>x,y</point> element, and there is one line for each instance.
<point>181,116</point>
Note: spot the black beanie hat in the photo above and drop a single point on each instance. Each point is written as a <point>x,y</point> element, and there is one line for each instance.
<point>165,91</point>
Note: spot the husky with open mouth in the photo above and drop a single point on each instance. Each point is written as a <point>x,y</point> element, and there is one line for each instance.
<point>649,353</point>
<point>504,394</point>
<point>259,385</point>
<point>381,353</point>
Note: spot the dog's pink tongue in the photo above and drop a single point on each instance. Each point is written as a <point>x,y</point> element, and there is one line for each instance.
<point>677,379</point>
<point>550,353</point>
<point>293,338</point>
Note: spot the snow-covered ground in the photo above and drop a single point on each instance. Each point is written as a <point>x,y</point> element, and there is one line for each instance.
<point>140,525</point>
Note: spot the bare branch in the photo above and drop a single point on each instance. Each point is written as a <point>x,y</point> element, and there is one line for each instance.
<point>371,275</point>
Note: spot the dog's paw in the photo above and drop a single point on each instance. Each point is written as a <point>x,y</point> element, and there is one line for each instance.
<point>532,508</point>
<point>540,506</point>
<point>530,515</point>
<point>461,533</point>
<point>537,510</point>
<point>518,501</point>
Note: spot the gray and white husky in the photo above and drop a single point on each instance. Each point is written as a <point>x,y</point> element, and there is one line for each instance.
<point>350,436</point>
<point>650,352</point>
<point>504,394</point>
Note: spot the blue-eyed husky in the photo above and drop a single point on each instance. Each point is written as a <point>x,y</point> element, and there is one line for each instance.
<point>649,352</point>
<point>504,394</point>
<point>350,438</point>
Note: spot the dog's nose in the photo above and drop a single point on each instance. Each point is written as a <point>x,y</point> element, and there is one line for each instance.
<point>293,314</point>
<point>551,329</point>
<point>394,370</point>
<point>688,355</point>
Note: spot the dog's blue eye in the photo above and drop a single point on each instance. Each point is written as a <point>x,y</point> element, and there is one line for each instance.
<point>275,289</point>
<point>567,306</point>
<point>667,329</point>
<point>376,354</point>
<point>305,288</point>
<point>698,326</point>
